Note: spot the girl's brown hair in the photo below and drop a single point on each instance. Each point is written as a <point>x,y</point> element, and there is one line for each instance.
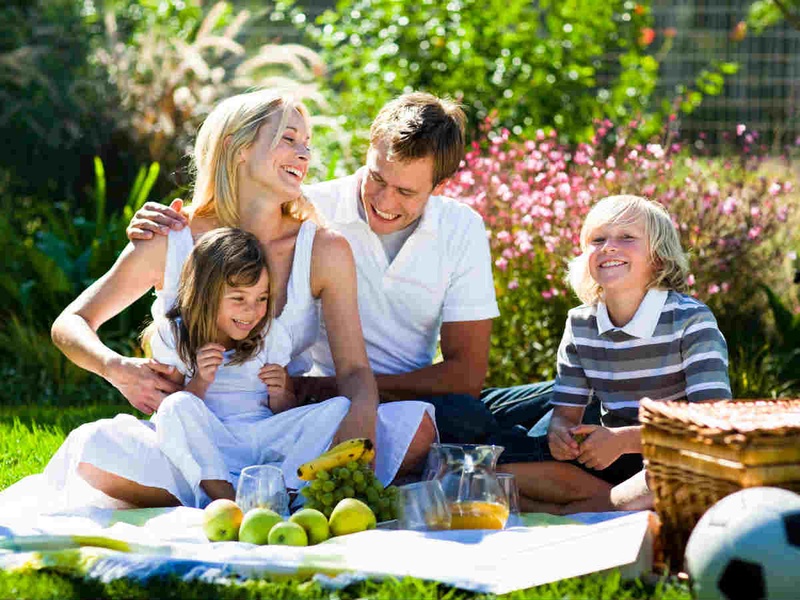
<point>223,257</point>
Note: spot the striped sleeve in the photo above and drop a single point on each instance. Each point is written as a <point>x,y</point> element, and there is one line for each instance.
<point>571,386</point>
<point>705,358</point>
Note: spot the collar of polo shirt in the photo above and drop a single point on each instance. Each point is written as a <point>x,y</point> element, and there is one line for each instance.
<point>644,321</point>
<point>347,208</point>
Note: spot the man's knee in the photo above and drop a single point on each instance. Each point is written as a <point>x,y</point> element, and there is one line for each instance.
<point>462,418</point>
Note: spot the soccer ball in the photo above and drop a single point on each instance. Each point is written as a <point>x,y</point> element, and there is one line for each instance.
<point>747,547</point>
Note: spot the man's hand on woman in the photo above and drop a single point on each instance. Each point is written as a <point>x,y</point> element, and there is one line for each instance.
<point>154,218</point>
<point>143,381</point>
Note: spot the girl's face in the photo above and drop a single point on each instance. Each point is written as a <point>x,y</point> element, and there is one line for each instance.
<point>241,309</point>
<point>281,169</point>
<point>619,257</point>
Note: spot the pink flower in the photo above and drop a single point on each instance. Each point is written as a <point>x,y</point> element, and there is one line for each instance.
<point>713,289</point>
<point>547,294</point>
<point>513,284</point>
<point>690,280</point>
<point>754,232</point>
<point>775,189</point>
<point>740,129</point>
<point>729,206</point>
<point>655,150</point>
<point>501,263</point>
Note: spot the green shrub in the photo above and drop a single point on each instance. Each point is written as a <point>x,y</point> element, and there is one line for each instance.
<point>52,97</point>
<point>52,254</point>
<point>533,64</point>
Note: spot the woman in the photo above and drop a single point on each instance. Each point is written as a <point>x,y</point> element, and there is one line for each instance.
<point>251,155</point>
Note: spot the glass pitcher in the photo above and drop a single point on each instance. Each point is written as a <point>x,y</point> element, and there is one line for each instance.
<point>468,476</point>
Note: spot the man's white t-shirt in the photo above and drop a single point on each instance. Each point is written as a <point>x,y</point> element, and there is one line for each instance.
<point>442,273</point>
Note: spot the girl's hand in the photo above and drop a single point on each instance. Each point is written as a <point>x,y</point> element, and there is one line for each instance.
<point>601,447</point>
<point>280,388</point>
<point>143,381</point>
<point>209,359</point>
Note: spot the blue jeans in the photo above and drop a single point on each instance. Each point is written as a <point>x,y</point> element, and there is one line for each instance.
<point>464,419</point>
<point>506,417</point>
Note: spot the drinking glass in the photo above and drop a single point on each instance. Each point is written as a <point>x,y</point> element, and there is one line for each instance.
<point>262,486</point>
<point>509,484</point>
<point>422,506</point>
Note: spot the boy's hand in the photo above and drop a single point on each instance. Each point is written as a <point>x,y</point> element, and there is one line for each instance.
<point>154,218</point>
<point>209,359</point>
<point>562,445</point>
<point>280,388</point>
<point>600,447</point>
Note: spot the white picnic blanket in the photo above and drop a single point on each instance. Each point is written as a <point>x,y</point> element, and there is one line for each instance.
<point>108,544</point>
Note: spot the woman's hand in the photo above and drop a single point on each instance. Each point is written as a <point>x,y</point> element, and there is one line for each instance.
<point>280,388</point>
<point>143,381</point>
<point>209,359</point>
<point>154,218</point>
<point>601,446</point>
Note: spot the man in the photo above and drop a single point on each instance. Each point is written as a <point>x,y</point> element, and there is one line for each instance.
<point>424,274</point>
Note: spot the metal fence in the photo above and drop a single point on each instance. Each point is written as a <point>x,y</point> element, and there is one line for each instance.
<point>765,93</point>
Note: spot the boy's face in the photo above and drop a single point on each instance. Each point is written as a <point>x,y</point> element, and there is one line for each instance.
<point>619,257</point>
<point>395,193</point>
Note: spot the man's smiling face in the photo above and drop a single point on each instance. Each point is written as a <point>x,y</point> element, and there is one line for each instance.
<point>395,193</point>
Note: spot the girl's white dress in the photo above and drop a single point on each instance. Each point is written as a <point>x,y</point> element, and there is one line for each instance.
<point>233,417</point>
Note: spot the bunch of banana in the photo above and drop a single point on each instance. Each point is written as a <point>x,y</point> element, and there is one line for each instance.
<point>358,450</point>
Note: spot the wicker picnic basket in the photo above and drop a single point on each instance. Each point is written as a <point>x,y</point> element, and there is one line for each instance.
<point>697,453</point>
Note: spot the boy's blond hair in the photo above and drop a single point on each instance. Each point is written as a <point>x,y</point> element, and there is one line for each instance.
<point>670,264</point>
<point>231,126</point>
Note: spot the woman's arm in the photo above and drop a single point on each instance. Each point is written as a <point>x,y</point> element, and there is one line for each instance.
<point>143,382</point>
<point>333,280</point>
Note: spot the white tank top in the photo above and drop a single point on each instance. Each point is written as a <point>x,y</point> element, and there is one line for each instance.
<point>300,315</point>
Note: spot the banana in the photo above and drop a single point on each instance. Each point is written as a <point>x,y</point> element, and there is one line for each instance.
<point>358,449</point>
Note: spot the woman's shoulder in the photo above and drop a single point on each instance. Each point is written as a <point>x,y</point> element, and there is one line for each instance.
<point>199,226</point>
<point>329,241</point>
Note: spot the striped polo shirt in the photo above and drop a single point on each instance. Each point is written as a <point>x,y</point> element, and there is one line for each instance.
<point>671,349</point>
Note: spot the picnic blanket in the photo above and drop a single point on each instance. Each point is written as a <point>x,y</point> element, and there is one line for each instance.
<point>106,544</point>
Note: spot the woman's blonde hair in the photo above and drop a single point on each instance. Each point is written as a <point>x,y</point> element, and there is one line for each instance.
<point>670,265</point>
<point>222,257</point>
<point>231,127</point>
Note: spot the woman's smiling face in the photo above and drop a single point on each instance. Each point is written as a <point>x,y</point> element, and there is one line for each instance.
<point>619,256</point>
<point>282,168</point>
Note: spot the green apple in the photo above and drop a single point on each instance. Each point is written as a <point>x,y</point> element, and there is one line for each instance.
<point>257,524</point>
<point>221,521</point>
<point>314,522</point>
<point>351,516</point>
<point>287,533</point>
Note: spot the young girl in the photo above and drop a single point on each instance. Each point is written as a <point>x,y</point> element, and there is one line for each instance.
<point>222,340</point>
<point>636,335</point>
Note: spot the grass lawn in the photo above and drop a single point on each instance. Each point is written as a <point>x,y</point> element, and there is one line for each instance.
<point>30,435</point>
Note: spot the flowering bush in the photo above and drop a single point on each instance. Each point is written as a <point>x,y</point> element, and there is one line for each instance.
<point>534,195</point>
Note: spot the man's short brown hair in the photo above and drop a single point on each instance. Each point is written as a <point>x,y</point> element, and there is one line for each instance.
<point>419,124</point>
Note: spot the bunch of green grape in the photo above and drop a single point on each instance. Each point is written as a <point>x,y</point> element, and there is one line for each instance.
<point>355,480</point>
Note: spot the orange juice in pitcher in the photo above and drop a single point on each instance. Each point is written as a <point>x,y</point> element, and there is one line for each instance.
<point>478,515</point>
<point>468,476</point>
